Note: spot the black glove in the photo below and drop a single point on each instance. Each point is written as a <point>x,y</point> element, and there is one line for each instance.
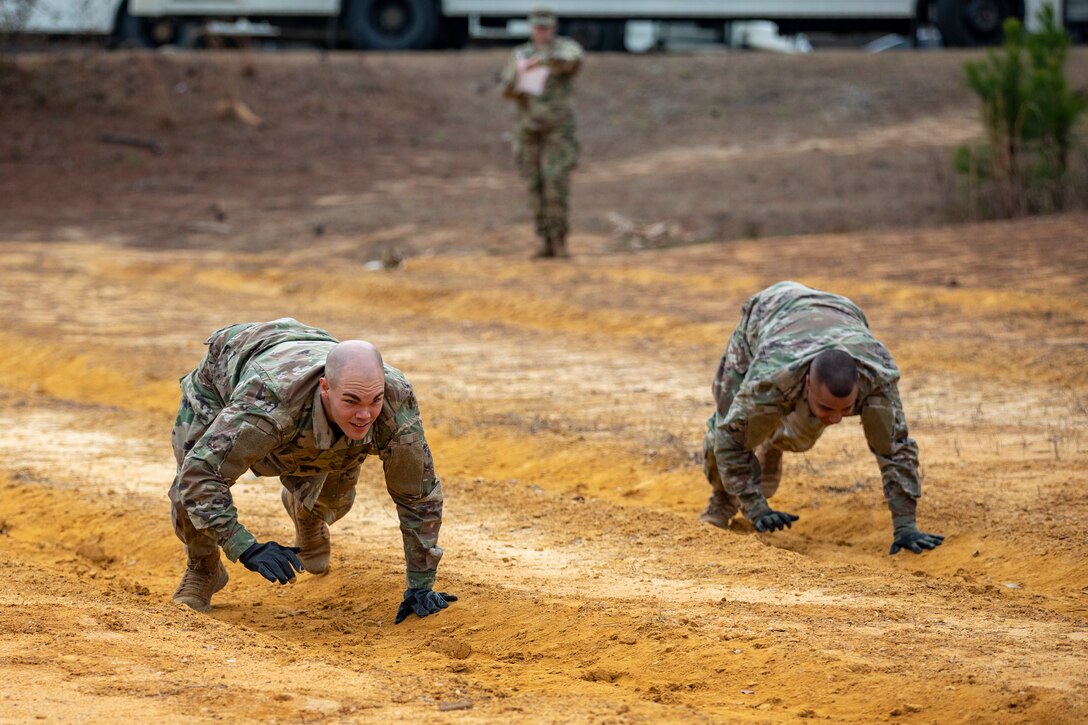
<point>272,561</point>
<point>916,540</point>
<point>774,520</point>
<point>422,602</point>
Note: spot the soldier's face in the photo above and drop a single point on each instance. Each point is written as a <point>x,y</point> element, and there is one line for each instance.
<point>825,406</point>
<point>542,34</point>
<point>354,405</point>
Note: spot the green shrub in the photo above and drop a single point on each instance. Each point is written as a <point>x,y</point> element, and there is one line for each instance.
<point>1030,116</point>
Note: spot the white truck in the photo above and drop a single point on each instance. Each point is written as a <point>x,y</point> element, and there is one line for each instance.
<point>422,24</point>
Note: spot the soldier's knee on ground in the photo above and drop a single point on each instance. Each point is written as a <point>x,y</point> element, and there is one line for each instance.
<point>311,533</point>
<point>332,510</point>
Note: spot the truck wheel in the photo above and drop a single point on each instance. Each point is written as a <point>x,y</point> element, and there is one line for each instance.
<point>392,24</point>
<point>969,23</point>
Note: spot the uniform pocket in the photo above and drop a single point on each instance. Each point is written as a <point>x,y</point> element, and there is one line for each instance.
<point>878,422</point>
<point>761,424</point>
<point>404,469</point>
<point>249,445</point>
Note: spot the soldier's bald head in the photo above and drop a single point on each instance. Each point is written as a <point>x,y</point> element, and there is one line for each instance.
<point>353,359</point>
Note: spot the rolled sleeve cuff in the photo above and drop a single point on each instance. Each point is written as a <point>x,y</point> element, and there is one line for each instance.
<point>421,579</point>
<point>903,524</point>
<point>238,542</point>
<point>754,505</point>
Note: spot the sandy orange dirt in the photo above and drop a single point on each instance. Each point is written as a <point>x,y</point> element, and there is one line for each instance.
<point>564,402</point>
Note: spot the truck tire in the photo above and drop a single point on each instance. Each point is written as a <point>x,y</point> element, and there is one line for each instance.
<point>968,23</point>
<point>392,24</point>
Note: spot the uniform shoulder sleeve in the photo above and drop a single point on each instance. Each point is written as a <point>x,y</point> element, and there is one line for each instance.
<point>885,426</point>
<point>236,440</point>
<point>510,73</point>
<point>411,480</point>
<point>400,399</point>
<point>566,57</point>
<point>756,410</point>
<point>569,49</point>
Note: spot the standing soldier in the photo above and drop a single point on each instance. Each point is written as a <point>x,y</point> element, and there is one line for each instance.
<point>799,361</point>
<point>539,78</point>
<point>283,399</point>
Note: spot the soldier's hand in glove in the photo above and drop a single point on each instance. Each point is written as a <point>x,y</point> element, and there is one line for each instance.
<point>915,540</point>
<point>774,520</point>
<point>422,602</point>
<point>272,561</point>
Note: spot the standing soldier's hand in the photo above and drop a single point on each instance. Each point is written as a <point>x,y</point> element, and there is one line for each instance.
<point>916,540</point>
<point>272,561</point>
<point>422,602</point>
<point>774,520</point>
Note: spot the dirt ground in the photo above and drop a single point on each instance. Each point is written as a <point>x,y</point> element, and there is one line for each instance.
<point>564,401</point>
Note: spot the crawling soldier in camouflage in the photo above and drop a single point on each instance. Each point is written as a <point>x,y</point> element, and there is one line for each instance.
<point>545,146</point>
<point>799,361</point>
<point>283,399</point>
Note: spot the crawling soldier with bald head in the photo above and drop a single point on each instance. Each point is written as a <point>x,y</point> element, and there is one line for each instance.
<point>284,399</point>
<point>799,361</point>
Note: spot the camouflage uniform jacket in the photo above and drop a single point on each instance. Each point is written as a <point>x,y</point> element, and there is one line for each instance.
<point>257,393</point>
<point>761,379</point>
<point>552,108</point>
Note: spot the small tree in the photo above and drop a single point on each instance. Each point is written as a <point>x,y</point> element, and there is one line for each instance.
<point>1030,114</point>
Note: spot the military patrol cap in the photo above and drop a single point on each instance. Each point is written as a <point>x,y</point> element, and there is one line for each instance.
<point>542,17</point>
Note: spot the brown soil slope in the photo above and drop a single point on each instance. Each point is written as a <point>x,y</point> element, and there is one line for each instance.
<point>412,151</point>
<point>565,405</point>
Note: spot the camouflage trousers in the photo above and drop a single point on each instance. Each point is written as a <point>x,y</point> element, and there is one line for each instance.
<point>545,159</point>
<point>326,495</point>
<point>797,432</point>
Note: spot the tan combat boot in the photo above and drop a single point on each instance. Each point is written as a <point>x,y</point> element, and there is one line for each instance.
<point>770,464</point>
<point>719,509</point>
<point>546,250</point>
<point>559,246</point>
<point>311,535</point>
<point>202,578</point>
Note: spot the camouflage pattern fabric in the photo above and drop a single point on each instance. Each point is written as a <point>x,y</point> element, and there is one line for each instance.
<point>759,389</point>
<point>545,142</point>
<point>254,404</point>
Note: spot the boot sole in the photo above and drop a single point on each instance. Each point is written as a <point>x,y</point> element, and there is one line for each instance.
<point>713,520</point>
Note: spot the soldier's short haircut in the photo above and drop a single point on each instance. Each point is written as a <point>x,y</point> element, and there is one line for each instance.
<point>835,370</point>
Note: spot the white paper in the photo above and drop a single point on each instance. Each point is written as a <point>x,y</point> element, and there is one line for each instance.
<point>531,80</point>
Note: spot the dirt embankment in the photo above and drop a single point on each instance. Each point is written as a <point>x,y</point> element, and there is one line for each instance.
<point>412,152</point>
